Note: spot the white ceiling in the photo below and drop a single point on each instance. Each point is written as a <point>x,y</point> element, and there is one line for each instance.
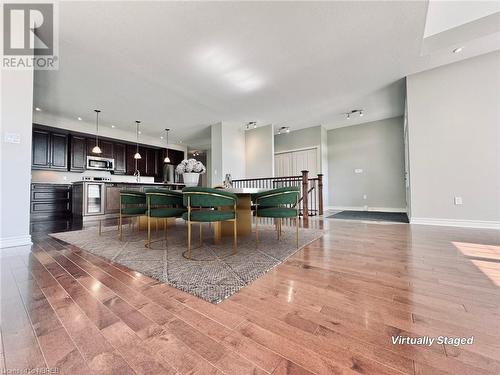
<point>186,65</point>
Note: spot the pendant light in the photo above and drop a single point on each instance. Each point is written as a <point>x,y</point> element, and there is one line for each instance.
<point>96,149</point>
<point>167,159</point>
<point>137,155</point>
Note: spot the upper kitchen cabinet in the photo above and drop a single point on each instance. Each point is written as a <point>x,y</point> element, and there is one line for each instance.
<point>49,150</point>
<point>78,153</point>
<point>151,162</point>
<point>105,146</point>
<point>120,156</point>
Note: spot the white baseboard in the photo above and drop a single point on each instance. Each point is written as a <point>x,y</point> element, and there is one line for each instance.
<point>15,241</point>
<point>456,223</point>
<point>356,208</point>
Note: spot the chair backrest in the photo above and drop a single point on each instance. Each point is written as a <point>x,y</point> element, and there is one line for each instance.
<point>278,197</point>
<point>163,197</point>
<point>208,197</point>
<point>132,197</point>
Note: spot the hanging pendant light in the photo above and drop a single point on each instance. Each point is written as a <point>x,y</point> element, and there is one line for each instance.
<point>137,155</point>
<point>96,149</point>
<point>167,159</point>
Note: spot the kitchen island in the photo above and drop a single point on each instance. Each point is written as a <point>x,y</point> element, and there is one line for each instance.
<point>96,200</point>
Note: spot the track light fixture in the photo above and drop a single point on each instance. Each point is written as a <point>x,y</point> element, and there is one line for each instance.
<point>360,112</point>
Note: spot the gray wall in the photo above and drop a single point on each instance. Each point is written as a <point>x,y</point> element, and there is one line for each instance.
<point>454,132</point>
<point>303,138</point>
<point>259,152</point>
<point>378,149</point>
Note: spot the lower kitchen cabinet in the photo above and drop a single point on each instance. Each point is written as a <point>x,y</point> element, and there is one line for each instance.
<point>50,201</point>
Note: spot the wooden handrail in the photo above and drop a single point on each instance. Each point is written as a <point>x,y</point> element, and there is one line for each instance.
<point>311,201</point>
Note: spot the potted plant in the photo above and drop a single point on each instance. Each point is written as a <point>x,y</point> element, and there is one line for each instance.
<point>190,170</point>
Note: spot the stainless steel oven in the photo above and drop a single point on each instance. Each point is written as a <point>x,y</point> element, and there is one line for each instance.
<point>102,164</point>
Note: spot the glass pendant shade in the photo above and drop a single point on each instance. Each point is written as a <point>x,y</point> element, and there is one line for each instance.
<point>96,149</point>
<point>137,155</point>
<point>167,159</point>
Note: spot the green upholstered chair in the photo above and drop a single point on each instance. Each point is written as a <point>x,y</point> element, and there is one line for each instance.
<point>207,205</point>
<point>278,204</point>
<point>132,204</point>
<point>162,203</point>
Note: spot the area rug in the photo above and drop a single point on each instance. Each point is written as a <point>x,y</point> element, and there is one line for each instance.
<point>397,217</point>
<point>213,274</point>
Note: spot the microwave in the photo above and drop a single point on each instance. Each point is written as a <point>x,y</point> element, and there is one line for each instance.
<point>102,164</point>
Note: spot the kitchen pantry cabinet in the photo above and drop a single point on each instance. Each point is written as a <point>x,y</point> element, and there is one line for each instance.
<point>49,150</point>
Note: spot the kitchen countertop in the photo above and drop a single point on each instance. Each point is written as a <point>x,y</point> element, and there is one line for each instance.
<point>131,183</point>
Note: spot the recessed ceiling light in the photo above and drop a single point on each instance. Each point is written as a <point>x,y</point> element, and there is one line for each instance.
<point>139,132</point>
<point>361,113</point>
<point>458,49</point>
<point>161,136</point>
<point>114,126</point>
<point>38,109</point>
<point>79,119</point>
<point>180,141</point>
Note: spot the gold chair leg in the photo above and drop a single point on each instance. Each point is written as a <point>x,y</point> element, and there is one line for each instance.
<point>120,227</point>
<point>257,232</point>
<point>189,239</point>
<point>156,225</point>
<point>201,233</point>
<point>235,239</point>
<point>165,230</point>
<point>148,245</point>
<point>297,230</point>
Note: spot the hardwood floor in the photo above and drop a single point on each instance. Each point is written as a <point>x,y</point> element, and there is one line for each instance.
<point>332,308</point>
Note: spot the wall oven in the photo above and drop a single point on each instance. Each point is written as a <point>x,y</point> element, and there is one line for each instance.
<point>102,164</point>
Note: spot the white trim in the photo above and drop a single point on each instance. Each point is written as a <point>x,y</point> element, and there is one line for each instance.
<point>298,149</point>
<point>359,208</point>
<point>456,223</point>
<point>15,241</point>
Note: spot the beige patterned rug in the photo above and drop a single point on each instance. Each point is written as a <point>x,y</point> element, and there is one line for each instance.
<point>213,274</point>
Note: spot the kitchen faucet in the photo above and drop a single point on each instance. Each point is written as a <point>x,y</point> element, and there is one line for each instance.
<point>137,175</point>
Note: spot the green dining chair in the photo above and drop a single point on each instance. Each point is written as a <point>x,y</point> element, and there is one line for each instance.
<point>278,204</point>
<point>132,204</point>
<point>207,205</point>
<point>162,204</point>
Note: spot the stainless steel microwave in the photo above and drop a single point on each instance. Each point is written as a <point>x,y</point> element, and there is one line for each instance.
<point>102,164</point>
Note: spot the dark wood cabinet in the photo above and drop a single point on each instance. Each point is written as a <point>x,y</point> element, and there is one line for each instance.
<point>131,162</point>
<point>105,146</point>
<point>59,151</point>
<point>49,150</point>
<point>40,156</point>
<point>120,156</point>
<point>53,149</point>
<point>78,153</point>
<point>151,162</point>
<point>50,201</point>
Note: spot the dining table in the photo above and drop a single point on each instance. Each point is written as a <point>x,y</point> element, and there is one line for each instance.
<point>243,212</point>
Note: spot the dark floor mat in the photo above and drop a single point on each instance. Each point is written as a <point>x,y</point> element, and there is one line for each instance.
<point>398,217</point>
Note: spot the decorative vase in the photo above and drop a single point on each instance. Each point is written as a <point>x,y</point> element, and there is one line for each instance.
<point>190,179</point>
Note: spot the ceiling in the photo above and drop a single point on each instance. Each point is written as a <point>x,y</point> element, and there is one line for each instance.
<point>186,65</point>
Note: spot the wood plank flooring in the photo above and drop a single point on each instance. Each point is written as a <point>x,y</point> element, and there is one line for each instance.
<point>332,308</point>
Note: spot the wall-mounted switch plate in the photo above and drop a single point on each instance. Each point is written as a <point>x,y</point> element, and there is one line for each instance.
<point>12,138</point>
<point>358,170</point>
<point>458,200</point>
